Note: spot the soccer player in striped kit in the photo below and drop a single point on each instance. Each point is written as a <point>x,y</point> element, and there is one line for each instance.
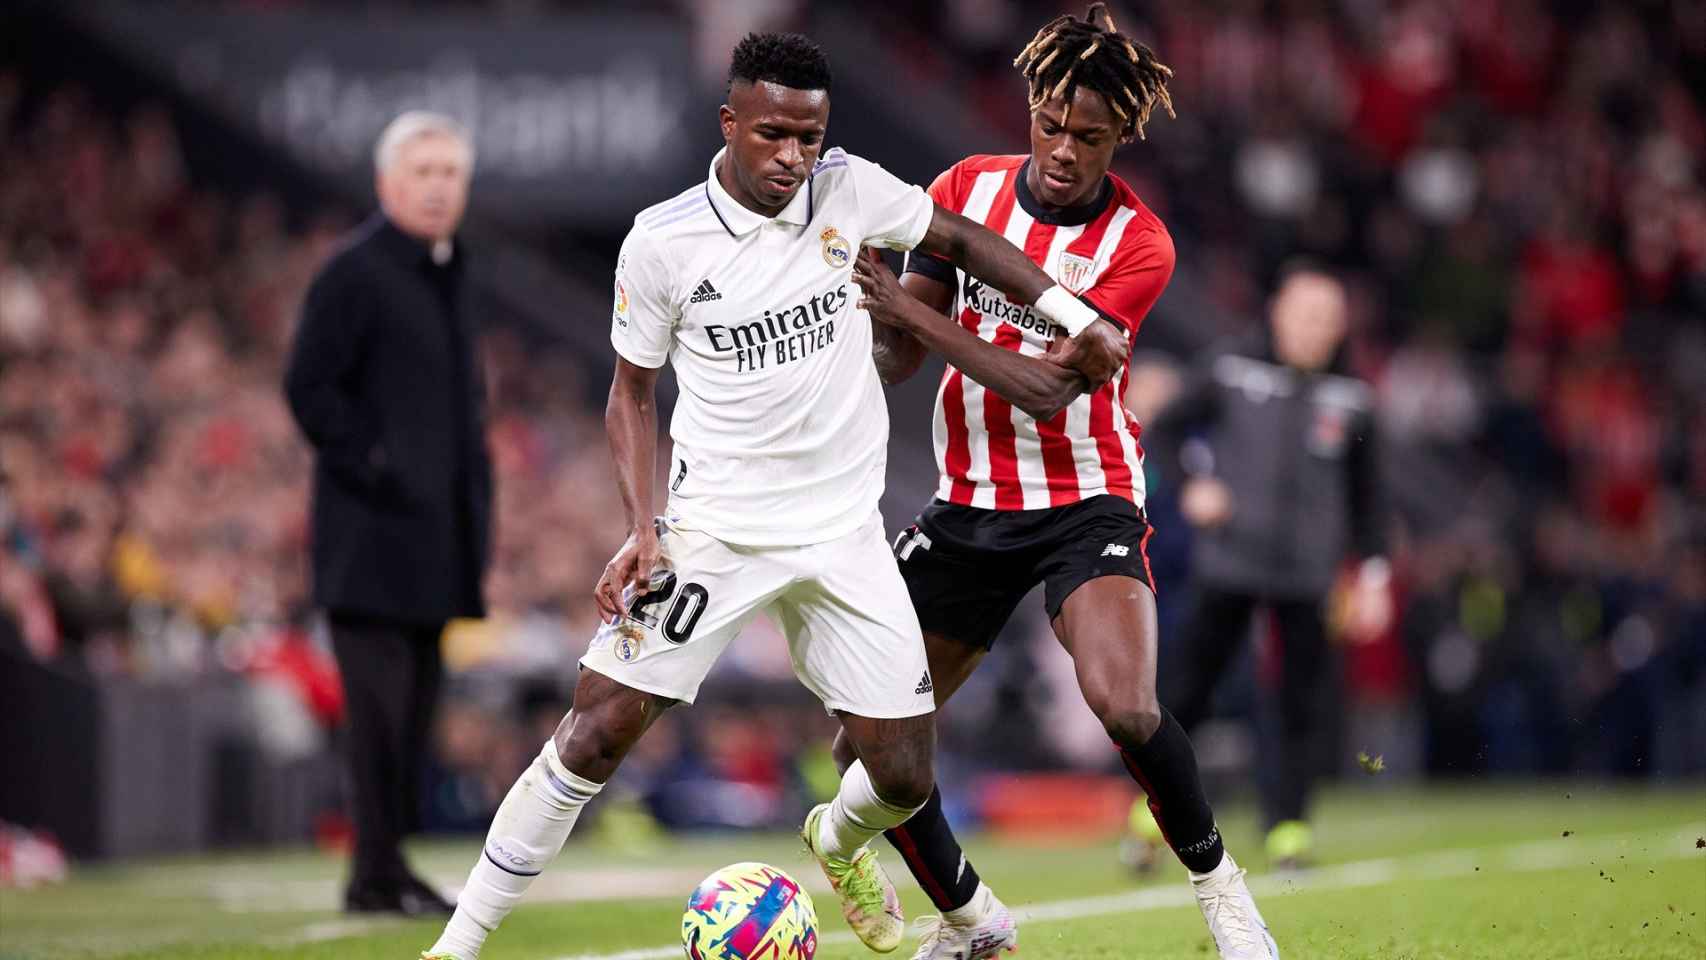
<point>1041,475</point>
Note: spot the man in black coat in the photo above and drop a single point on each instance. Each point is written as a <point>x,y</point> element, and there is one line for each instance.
<point>1282,486</point>
<point>384,381</point>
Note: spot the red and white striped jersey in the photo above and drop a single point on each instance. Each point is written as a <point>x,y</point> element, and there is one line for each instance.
<point>1112,252</point>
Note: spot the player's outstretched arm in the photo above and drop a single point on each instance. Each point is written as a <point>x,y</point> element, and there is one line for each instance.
<point>1039,387</point>
<point>1099,347</point>
<point>631,423</point>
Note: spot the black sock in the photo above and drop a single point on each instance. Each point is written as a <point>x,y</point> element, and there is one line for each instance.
<point>1166,769</point>
<point>927,844</point>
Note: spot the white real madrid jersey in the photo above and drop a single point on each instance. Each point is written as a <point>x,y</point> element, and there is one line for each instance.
<point>780,432</point>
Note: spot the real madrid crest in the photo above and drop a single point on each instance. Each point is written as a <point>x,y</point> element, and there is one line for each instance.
<point>1074,270</point>
<point>837,252</point>
<point>627,647</point>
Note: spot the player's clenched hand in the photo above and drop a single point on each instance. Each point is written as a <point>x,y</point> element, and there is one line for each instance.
<point>633,564</point>
<point>883,299</point>
<point>1059,352</point>
<point>1097,352</point>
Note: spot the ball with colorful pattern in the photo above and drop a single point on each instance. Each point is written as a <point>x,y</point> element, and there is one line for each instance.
<point>749,911</point>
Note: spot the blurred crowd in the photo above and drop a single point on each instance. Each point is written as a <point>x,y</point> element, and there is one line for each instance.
<point>155,486</point>
<point>1514,192</point>
<point>152,473</point>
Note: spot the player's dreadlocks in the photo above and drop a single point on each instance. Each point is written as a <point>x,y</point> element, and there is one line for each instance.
<point>788,59</point>
<point>1068,53</point>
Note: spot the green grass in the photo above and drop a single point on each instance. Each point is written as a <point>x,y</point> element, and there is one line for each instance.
<point>1406,875</point>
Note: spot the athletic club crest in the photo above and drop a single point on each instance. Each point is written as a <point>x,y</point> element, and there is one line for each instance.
<point>837,252</point>
<point>1074,271</point>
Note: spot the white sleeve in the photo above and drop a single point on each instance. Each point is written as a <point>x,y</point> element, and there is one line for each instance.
<point>896,213</point>
<point>642,323</point>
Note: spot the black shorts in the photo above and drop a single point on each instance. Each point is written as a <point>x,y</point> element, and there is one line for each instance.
<point>968,568</point>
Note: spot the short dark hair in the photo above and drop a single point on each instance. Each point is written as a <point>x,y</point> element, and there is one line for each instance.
<point>787,59</point>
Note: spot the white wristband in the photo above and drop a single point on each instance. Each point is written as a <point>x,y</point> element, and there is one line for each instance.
<point>1059,305</point>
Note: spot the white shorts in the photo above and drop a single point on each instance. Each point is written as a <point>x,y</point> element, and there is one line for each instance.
<point>851,630</point>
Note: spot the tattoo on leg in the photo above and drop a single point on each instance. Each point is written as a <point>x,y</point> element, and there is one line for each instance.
<point>893,729</point>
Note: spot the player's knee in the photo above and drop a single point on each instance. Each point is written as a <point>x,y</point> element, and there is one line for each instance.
<point>905,784</point>
<point>908,790</point>
<point>591,750</point>
<point>594,741</point>
<point>1131,723</point>
<point>843,752</point>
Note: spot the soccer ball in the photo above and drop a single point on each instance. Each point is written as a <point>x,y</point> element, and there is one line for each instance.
<point>749,911</point>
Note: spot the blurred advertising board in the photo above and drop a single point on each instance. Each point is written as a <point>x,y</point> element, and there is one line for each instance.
<point>575,117</point>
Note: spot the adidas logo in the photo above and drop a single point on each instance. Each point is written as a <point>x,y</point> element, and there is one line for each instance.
<point>924,685</point>
<point>704,292</point>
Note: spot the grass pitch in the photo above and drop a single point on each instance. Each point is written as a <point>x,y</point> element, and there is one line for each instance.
<point>1551,872</point>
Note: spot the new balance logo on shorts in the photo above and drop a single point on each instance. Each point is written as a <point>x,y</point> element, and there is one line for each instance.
<point>925,686</point>
<point>704,292</point>
<point>1116,550</point>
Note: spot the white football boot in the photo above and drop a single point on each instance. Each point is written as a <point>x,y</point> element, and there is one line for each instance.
<point>1239,931</point>
<point>977,931</point>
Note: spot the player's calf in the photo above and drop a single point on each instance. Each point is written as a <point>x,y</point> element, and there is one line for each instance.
<point>541,809</point>
<point>1159,756</point>
<point>893,780</point>
<point>877,793</point>
<point>1165,766</point>
<point>527,832</point>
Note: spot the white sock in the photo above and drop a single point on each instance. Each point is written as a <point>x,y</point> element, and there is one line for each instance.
<point>1221,871</point>
<point>527,833</point>
<point>975,909</point>
<point>857,815</point>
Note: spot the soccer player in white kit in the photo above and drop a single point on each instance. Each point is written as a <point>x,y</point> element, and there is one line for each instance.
<point>745,284</point>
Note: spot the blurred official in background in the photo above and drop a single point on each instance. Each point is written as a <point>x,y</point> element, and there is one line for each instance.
<point>1281,484</point>
<point>384,381</point>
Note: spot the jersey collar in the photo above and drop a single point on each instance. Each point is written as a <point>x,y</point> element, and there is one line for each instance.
<point>738,220</point>
<point>1066,216</point>
<point>406,249</point>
